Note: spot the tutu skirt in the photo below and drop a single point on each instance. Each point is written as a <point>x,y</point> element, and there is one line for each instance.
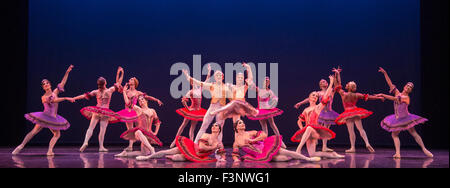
<point>187,148</point>
<point>47,121</point>
<point>324,133</point>
<point>266,114</point>
<point>270,147</point>
<point>391,123</point>
<point>127,115</point>
<point>90,111</point>
<point>352,113</point>
<point>130,135</point>
<point>327,117</point>
<point>194,115</point>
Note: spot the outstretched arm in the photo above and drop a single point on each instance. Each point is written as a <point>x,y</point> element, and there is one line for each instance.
<point>392,87</point>
<point>195,81</point>
<point>388,97</point>
<point>64,80</point>
<point>301,103</point>
<point>148,97</point>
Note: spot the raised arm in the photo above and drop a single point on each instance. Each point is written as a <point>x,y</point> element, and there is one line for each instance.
<point>392,87</point>
<point>195,81</point>
<point>249,72</point>
<point>338,83</point>
<point>209,73</point>
<point>328,93</point>
<point>64,80</point>
<point>119,75</point>
<point>125,96</point>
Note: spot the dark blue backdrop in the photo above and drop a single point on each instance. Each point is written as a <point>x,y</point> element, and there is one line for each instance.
<point>307,38</point>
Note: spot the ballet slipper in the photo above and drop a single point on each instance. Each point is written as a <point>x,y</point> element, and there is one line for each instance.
<point>370,148</point>
<point>102,150</point>
<point>351,150</point>
<point>397,156</point>
<point>83,147</point>
<point>17,150</point>
<point>428,153</point>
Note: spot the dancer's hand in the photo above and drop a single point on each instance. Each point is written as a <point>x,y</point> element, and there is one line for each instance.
<point>70,68</point>
<point>209,68</point>
<point>382,70</point>
<point>71,99</point>
<point>159,102</point>
<point>186,73</point>
<point>297,105</point>
<point>337,71</point>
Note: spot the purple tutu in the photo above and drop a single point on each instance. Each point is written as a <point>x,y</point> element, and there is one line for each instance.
<point>44,120</point>
<point>327,117</point>
<point>391,123</point>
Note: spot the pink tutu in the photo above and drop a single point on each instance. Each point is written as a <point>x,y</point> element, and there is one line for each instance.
<point>271,146</point>
<point>89,111</point>
<point>127,115</point>
<point>266,114</point>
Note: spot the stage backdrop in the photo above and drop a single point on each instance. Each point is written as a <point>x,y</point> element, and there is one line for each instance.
<point>306,38</point>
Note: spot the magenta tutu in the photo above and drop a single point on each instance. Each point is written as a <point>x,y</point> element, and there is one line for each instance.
<point>43,119</point>
<point>127,115</point>
<point>130,135</point>
<point>270,147</point>
<point>194,115</point>
<point>89,111</point>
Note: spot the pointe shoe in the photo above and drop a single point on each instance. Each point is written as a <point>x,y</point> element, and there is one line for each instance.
<point>428,153</point>
<point>397,156</point>
<point>370,148</point>
<point>351,150</point>
<point>17,150</point>
<point>83,147</point>
<point>314,159</point>
<point>50,153</point>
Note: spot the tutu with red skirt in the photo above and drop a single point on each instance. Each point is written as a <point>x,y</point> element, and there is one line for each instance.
<point>194,115</point>
<point>352,113</point>
<point>187,148</point>
<point>324,133</point>
<point>130,135</point>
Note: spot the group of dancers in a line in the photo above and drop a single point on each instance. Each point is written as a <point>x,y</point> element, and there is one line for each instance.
<point>252,146</point>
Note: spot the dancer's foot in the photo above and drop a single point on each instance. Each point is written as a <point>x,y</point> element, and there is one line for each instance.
<point>173,144</point>
<point>370,148</point>
<point>129,149</point>
<point>351,150</point>
<point>283,145</point>
<point>122,154</point>
<point>337,156</point>
<point>83,147</point>
<point>50,153</point>
<point>17,150</point>
<point>143,157</point>
<point>397,156</point>
<point>427,153</point>
<point>314,159</point>
<point>102,149</point>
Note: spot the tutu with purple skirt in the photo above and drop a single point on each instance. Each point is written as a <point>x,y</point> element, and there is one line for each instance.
<point>402,119</point>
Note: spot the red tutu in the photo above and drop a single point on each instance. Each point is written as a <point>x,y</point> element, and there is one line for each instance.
<point>187,148</point>
<point>194,115</point>
<point>130,135</point>
<point>352,113</point>
<point>127,115</point>
<point>324,133</point>
<point>89,111</point>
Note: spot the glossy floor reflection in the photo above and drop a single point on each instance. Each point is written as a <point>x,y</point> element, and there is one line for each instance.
<point>69,157</point>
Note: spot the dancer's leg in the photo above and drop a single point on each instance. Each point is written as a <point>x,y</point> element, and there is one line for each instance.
<point>27,138</point>
<point>275,129</point>
<point>363,134</point>
<point>419,141</point>
<point>180,130</point>
<point>87,137</point>
<point>263,123</point>
<point>306,136</point>
<point>192,129</point>
<point>396,144</point>
<point>351,134</point>
<point>206,122</point>
<point>324,142</point>
<point>141,137</point>
<point>101,135</point>
<point>130,146</point>
<point>295,155</point>
<point>56,135</point>
<point>160,154</point>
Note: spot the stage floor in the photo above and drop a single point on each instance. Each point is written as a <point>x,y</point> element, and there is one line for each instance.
<point>69,157</point>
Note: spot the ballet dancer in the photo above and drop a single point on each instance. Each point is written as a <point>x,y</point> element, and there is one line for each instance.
<point>352,115</point>
<point>312,131</point>
<point>187,150</point>
<point>193,113</point>
<point>260,148</point>
<point>328,115</point>
<point>240,89</point>
<point>219,92</point>
<point>49,118</point>
<point>101,112</point>
<point>402,120</point>
<point>128,115</point>
<point>143,131</point>
<point>267,101</point>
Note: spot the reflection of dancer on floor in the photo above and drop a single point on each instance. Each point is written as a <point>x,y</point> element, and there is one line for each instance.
<point>128,115</point>
<point>260,148</point>
<point>143,131</point>
<point>402,120</point>
<point>219,93</point>
<point>49,117</point>
<point>312,131</point>
<point>352,115</point>
<point>187,150</point>
<point>193,113</point>
<point>100,113</point>
<point>267,102</point>
<point>328,115</point>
